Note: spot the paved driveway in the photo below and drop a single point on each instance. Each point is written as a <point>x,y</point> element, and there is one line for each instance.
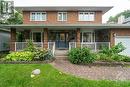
<point>94,72</point>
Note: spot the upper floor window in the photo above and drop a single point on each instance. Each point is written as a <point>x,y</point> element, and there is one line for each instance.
<point>38,16</point>
<point>86,16</point>
<point>62,16</point>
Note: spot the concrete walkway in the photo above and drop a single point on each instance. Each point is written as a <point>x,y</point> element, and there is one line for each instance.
<point>94,72</point>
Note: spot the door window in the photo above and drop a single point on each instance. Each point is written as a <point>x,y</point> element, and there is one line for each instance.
<point>62,36</point>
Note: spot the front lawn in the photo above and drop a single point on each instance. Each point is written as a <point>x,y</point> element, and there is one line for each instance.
<point>18,75</point>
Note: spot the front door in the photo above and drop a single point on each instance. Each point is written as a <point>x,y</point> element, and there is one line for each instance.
<point>62,40</point>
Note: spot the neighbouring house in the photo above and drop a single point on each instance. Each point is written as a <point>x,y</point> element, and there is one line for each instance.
<point>66,27</point>
<point>123,20</point>
<point>126,21</point>
<point>4,40</point>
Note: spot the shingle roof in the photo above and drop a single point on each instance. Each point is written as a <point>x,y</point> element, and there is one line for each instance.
<point>104,9</point>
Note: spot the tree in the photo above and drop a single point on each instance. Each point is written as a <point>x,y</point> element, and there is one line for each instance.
<point>114,19</point>
<point>14,18</point>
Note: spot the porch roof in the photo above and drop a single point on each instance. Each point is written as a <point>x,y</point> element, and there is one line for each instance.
<point>66,26</point>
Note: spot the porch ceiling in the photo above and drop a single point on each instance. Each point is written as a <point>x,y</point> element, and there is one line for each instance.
<point>66,26</point>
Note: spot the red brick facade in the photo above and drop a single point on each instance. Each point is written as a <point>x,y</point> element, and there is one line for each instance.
<point>118,32</point>
<point>27,34</point>
<point>78,38</point>
<point>45,45</point>
<point>12,39</point>
<point>72,18</point>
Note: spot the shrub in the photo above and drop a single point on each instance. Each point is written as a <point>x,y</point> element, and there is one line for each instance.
<point>42,54</point>
<point>39,54</point>
<point>103,57</point>
<point>114,50</point>
<point>30,46</point>
<point>112,54</point>
<point>81,56</point>
<point>125,58</point>
<point>20,56</point>
<point>116,57</point>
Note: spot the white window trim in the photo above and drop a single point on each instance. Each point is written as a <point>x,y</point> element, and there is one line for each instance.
<point>92,36</point>
<point>83,13</point>
<point>62,16</point>
<point>38,12</point>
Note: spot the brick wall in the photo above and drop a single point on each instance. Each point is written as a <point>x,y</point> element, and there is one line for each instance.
<point>52,18</point>
<point>118,32</point>
<point>12,39</point>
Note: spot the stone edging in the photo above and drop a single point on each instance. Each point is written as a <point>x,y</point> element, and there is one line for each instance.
<point>26,62</point>
<point>100,63</point>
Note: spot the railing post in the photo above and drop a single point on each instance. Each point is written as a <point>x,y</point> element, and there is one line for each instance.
<point>95,46</point>
<point>81,44</point>
<point>53,48</point>
<point>23,45</point>
<point>109,44</point>
<point>75,44</point>
<point>15,46</point>
<point>69,46</point>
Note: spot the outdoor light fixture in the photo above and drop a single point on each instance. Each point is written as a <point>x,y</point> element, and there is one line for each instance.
<point>114,34</point>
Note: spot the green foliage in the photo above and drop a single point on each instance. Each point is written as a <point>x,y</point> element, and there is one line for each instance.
<point>20,56</point>
<point>30,46</point>
<point>114,19</point>
<point>42,54</point>
<point>112,54</point>
<point>117,48</point>
<point>39,54</point>
<point>81,56</point>
<point>114,50</point>
<point>15,19</point>
<point>125,58</point>
<point>103,57</point>
<point>3,55</point>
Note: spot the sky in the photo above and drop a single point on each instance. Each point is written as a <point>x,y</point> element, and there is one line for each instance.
<point>118,5</point>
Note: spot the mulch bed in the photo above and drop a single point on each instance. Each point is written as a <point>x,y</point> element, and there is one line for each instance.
<point>27,62</point>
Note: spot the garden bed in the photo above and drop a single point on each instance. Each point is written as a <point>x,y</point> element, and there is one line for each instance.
<point>27,62</point>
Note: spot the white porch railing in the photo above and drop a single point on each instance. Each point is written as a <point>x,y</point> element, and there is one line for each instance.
<point>72,45</point>
<point>95,46</point>
<point>51,46</point>
<point>21,45</point>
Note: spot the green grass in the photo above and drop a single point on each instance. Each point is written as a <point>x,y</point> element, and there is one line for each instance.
<point>18,75</point>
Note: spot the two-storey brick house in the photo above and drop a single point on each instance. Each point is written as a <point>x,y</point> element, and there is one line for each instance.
<point>67,27</point>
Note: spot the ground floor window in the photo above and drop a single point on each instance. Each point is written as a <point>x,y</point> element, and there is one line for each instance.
<point>20,37</point>
<point>87,37</point>
<point>36,36</point>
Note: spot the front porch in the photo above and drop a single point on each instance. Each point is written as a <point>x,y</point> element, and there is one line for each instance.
<point>60,38</point>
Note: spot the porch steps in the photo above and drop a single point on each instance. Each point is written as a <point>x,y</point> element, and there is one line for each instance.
<point>61,54</point>
<point>61,57</point>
